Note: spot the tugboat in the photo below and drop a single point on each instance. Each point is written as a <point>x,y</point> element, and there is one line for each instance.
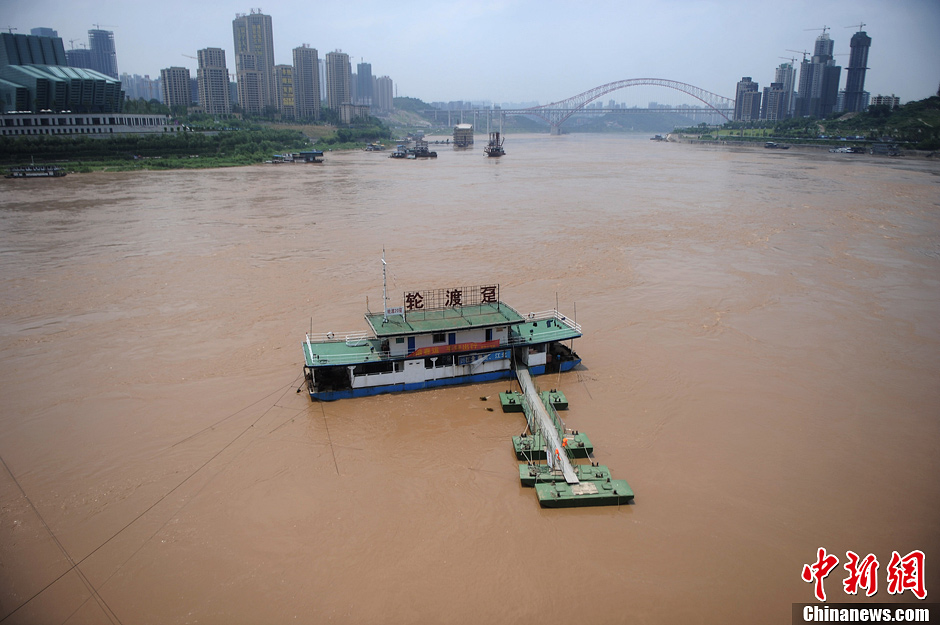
<point>495,145</point>
<point>421,150</point>
<point>400,152</point>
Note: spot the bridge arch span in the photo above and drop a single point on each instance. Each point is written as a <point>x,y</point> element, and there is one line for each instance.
<point>557,112</point>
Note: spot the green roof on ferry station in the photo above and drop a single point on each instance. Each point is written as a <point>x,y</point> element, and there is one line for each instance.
<point>448,319</point>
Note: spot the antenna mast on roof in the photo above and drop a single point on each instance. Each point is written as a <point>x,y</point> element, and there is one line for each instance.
<point>384,290</point>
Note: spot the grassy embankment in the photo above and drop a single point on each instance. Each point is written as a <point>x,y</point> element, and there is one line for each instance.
<point>916,125</point>
<point>188,149</point>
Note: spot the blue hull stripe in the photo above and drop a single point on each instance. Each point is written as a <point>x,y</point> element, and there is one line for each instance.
<point>417,386</point>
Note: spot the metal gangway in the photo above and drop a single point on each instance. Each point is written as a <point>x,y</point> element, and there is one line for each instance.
<point>540,421</point>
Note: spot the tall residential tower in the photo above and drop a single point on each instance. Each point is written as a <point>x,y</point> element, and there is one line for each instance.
<point>254,61</point>
<point>746,100</point>
<point>364,85</point>
<point>176,86</point>
<point>338,77</point>
<point>212,77</point>
<point>307,82</point>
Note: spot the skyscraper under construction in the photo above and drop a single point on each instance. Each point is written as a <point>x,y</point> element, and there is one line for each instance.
<point>819,81</point>
<point>855,96</point>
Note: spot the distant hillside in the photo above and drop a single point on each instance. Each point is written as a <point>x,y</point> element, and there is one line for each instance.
<point>915,123</point>
<point>411,113</point>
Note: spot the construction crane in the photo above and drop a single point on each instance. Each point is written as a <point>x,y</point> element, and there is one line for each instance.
<point>803,52</point>
<point>824,29</point>
<point>98,26</point>
<point>11,29</point>
<point>861,25</point>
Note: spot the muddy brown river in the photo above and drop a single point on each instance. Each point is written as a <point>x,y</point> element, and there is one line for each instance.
<point>761,362</point>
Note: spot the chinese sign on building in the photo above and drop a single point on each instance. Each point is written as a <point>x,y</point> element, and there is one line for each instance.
<point>441,299</point>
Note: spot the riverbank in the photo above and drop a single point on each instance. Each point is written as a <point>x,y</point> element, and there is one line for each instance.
<point>759,144</point>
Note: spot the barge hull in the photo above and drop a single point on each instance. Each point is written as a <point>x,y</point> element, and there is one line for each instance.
<point>491,376</point>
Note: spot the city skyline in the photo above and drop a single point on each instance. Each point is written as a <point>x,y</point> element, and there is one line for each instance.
<point>524,51</point>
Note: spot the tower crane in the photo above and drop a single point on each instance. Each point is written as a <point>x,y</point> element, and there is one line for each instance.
<point>824,29</point>
<point>860,26</point>
<point>803,52</point>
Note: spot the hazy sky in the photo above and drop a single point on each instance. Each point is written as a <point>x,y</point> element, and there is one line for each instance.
<point>523,50</point>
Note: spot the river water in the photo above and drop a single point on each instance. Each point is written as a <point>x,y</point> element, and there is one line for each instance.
<point>761,362</point>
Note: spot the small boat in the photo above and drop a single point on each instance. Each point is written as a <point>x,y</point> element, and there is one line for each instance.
<point>36,171</point>
<point>399,152</point>
<point>495,145</point>
<point>776,146</point>
<point>421,150</point>
<point>437,337</point>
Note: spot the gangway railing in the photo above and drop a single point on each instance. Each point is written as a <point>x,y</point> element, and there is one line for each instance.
<point>537,414</point>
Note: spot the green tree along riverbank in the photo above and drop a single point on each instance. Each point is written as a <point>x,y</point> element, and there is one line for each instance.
<point>203,143</point>
<point>171,151</point>
<point>916,125</point>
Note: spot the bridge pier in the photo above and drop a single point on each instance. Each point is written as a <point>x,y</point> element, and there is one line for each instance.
<point>554,130</point>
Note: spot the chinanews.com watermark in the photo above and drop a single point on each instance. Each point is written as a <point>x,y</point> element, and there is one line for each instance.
<point>865,613</point>
<point>904,578</point>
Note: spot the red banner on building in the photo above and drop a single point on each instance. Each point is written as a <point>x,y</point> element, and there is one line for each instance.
<point>450,349</point>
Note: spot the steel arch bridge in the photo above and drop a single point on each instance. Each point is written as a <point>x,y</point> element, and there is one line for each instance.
<point>557,112</point>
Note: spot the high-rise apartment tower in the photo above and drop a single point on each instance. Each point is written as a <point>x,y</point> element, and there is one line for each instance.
<point>746,100</point>
<point>286,99</point>
<point>176,86</point>
<point>338,76</point>
<point>254,37</point>
<point>364,84</point>
<point>212,77</point>
<point>307,82</point>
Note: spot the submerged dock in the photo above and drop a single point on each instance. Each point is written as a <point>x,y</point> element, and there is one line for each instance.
<point>559,482</point>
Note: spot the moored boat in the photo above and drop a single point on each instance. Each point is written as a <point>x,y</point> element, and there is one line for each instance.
<point>495,145</point>
<point>36,171</point>
<point>421,150</point>
<point>438,337</point>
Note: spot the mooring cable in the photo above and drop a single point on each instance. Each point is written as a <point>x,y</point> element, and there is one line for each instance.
<point>75,565</point>
<point>329,437</point>
<point>88,585</point>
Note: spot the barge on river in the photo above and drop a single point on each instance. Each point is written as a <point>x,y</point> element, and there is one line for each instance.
<point>438,337</point>
<point>36,171</point>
